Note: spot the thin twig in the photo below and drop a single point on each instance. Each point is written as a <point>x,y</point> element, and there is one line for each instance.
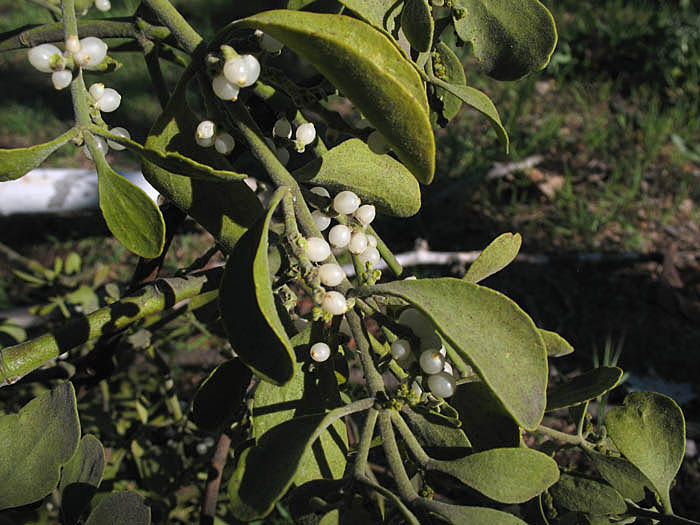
<point>211,491</point>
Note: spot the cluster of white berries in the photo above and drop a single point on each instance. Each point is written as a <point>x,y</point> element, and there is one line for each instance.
<point>87,53</point>
<point>238,72</point>
<point>106,100</point>
<point>207,135</point>
<point>432,359</point>
<point>282,130</point>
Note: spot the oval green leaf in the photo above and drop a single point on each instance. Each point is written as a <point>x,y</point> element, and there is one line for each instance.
<point>496,256</point>
<point>367,68</point>
<point>418,24</point>
<point>510,38</point>
<point>132,217</point>
<point>35,443</point>
<point>556,345</point>
<point>120,508</point>
<point>220,395</point>
<point>585,387</point>
<point>451,71</point>
<point>459,515</point>
<point>379,13</point>
<point>587,495</point>
<point>248,306</point>
<point>376,179</point>
<point>80,478</point>
<point>507,475</point>
<point>621,474</point>
<point>15,163</point>
<point>488,330</point>
<point>649,430</point>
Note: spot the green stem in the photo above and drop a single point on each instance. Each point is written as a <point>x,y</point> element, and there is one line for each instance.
<point>563,436</point>
<point>152,63</point>
<point>663,519</point>
<point>410,517</point>
<point>393,457</point>
<point>365,443</point>
<point>409,438</point>
<point>170,17</point>
<point>386,254</point>
<point>46,5</point>
<point>70,22</point>
<point>374,379</point>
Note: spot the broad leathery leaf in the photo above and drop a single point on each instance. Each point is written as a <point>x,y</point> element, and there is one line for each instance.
<point>120,508</point>
<point>418,24</point>
<point>460,515</point>
<point>496,256</point>
<point>226,210</point>
<point>35,443</point>
<point>220,395</point>
<point>366,66</point>
<point>15,163</point>
<point>479,101</point>
<point>507,475</point>
<point>132,217</point>
<point>489,331</point>
<point>379,13</point>
<point>376,179</point>
<point>510,38</point>
<point>451,71</point>
<point>440,440</point>
<point>649,430</point>
<point>248,305</point>
<point>80,478</point>
<point>585,387</point>
<point>582,494</point>
<point>621,474</point>
<point>556,345</point>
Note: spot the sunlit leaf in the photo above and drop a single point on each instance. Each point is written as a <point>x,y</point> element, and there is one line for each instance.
<point>15,163</point>
<point>120,508</point>
<point>584,387</point>
<point>459,515</point>
<point>379,13</point>
<point>80,477</point>
<point>496,256</point>
<point>556,345</point>
<point>582,494</point>
<point>452,72</point>
<point>220,395</point>
<point>418,24</point>
<point>621,474</point>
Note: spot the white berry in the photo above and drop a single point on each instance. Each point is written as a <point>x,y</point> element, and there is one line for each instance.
<point>269,44</point>
<point>320,352</point>
<point>371,241</point>
<point>282,128</point>
<point>320,190</point>
<point>442,384</point>
<point>331,274</point>
<point>224,89</point>
<point>346,202</point>
<point>97,90</point>
<point>101,145</point>
<point>365,214</point>
<point>431,362</point>
<point>317,249</point>
<point>236,71</point>
<point>358,243</point>
<point>40,56</point>
<point>224,143</point>
<point>306,133</point>
<point>73,44</point>
<point>377,143</point>
<point>120,132</point>
<point>417,322</point>
<point>370,255</point>
<point>206,129</point>
<point>400,349</point>
<point>109,101</point>
<point>201,448</point>
<point>339,236</point>
<point>447,368</point>
<point>103,5</point>
<point>322,220</point>
<point>92,52</point>
<point>61,79</point>
<point>252,69</point>
<point>334,303</point>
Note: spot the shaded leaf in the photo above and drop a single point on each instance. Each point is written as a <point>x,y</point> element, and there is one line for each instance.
<point>248,306</point>
<point>80,477</point>
<point>35,443</point>
<point>556,345</point>
<point>507,475</point>
<point>459,515</point>
<point>15,163</point>
<point>366,66</point>
<point>379,13</point>
<point>585,387</point>
<point>489,331</point>
<point>376,179</point>
<point>621,474</point>
<point>496,256</point>
<point>649,430</point>
<point>220,395</point>
<point>451,71</point>
<point>587,495</point>
<point>440,440</point>
<point>120,508</point>
<point>418,24</point>
<point>510,38</point>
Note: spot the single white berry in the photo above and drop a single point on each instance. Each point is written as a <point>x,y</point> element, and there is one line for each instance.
<point>101,146</point>
<point>242,71</point>
<point>252,69</point>
<point>97,90</point>
<point>322,220</point>
<point>201,448</point>
<point>92,52</point>
<point>320,352</point>
<point>371,241</point>
<point>400,349</point>
<point>417,321</point>
<point>317,249</point>
<point>358,243</point>
<point>306,133</point>
<point>442,384</point>
<point>431,362</point>
<point>370,255</point>
<point>447,368</point>
<point>269,44</point>
<point>120,132</point>
<point>334,303</point>
<point>282,155</point>
<point>103,5</point>
<point>40,56</point>
<point>61,79</point>
<point>224,89</point>
<point>109,101</point>
<point>224,143</point>
<point>378,143</point>
<point>331,274</point>
<point>319,190</point>
<point>282,128</point>
<point>346,202</point>
<point>206,129</point>
<point>365,214</point>
<point>73,44</point>
<point>339,236</point>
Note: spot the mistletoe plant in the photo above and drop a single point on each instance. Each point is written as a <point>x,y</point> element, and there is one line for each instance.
<point>453,376</point>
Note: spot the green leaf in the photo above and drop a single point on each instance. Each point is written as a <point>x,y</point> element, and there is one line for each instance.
<point>15,163</point>
<point>587,495</point>
<point>73,263</point>
<point>491,332</point>
<point>440,440</point>
<point>368,68</point>
<point>379,13</point>
<point>224,209</point>
<point>496,256</point>
<point>35,443</point>
<point>510,38</point>
<point>583,388</point>
<point>132,217</point>
<point>649,430</point>
<point>220,395</point>
<point>376,179</point>
<point>459,515</point>
<point>80,477</point>
<point>248,306</point>
<point>452,72</point>
<point>418,24</point>
<point>621,474</point>
<point>120,508</point>
<point>507,475</point>
<point>556,345</point>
